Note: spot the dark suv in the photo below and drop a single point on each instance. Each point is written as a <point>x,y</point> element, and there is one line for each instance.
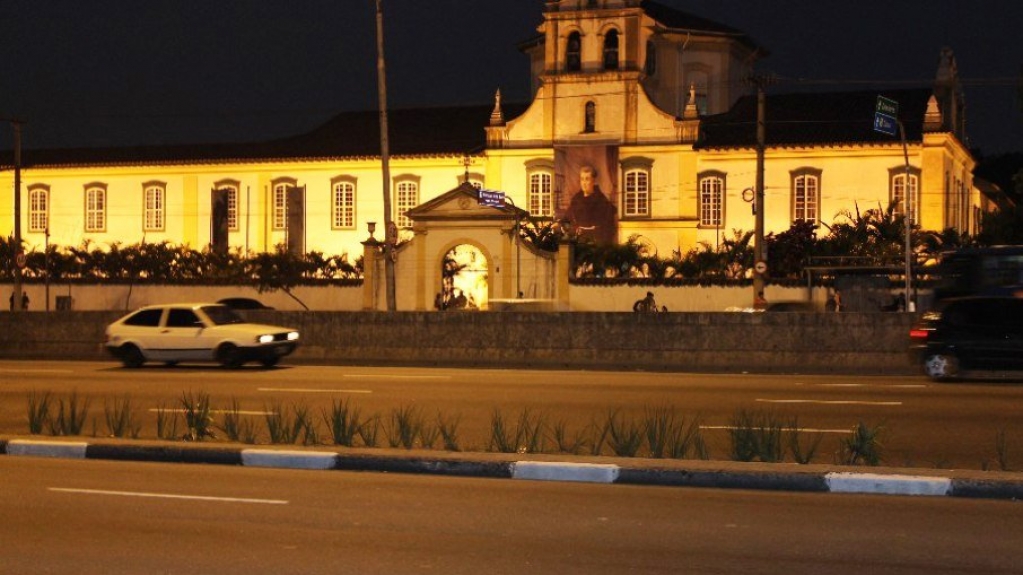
<point>971,333</point>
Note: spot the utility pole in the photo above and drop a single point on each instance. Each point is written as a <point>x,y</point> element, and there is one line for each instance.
<point>390,237</point>
<point>759,255</point>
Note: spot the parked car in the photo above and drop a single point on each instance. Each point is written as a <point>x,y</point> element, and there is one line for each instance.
<point>970,333</point>
<point>187,332</point>
<point>243,303</point>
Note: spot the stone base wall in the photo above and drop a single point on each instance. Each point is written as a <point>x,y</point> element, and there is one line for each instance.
<point>712,341</point>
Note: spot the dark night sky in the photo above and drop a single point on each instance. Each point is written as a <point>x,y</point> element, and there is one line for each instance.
<point>116,72</point>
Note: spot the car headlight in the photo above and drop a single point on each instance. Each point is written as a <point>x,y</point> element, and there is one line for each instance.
<point>292,335</point>
<point>265,338</point>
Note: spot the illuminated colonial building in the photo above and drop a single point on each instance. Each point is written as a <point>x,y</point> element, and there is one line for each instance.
<point>654,101</point>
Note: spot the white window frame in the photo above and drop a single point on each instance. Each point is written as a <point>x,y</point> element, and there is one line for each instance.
<point>279,202</point>
<point>95,208</point>
<point>232,187</point>
<point>898,183</point>
<point>712,200</point>
<point>38,208</point>
<point>541,193</point>
<point>342,203</point>
<point>406,197</point>
<point>154,217</point>
<point>636,192</point>
<point>806,195</point>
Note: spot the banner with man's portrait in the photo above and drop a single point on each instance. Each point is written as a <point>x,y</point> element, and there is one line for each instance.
<point>588,186</point>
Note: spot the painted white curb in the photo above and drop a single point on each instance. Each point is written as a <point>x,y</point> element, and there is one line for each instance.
<point>887,484</point>
<point>544,471</point>
<point>64,449</point>
<point>288,459</point>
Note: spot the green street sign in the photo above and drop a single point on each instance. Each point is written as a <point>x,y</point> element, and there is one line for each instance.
<point>887,106</point>
<point>886,116</point>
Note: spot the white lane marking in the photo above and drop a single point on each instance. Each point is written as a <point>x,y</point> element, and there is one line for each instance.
<point>221,411</point>
<point>169,496</point>
<point>29,371</point>
<point>394,376</point>
<point>884,385</point>
<point>830,402</point>
<point>797,429</point>
<point>310,390</point>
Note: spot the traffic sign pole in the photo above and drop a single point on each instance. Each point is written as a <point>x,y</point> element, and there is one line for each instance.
<point>886,121</point>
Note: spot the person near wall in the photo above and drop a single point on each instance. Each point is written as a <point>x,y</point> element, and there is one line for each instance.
<point>760,302</point>
<point>24,301</point>
<point>834,302</point>
<point>646,305</point>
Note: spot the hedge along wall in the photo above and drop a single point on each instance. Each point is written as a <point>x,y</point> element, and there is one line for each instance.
<point>588,298</point>
<point>718,341</point>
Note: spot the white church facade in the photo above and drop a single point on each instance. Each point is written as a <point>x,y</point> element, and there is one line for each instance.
<point>646,101</point>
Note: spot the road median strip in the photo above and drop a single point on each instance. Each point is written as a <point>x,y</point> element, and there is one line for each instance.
<point>733,476</point>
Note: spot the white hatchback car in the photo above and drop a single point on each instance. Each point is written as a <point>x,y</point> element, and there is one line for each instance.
<point>185,332</point>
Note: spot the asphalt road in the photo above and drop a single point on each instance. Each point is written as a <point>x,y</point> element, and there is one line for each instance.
<point>103,517</point>
<point>967,425</point>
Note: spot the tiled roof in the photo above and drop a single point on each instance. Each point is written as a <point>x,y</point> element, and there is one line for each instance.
<point>677,19</point>
<point>814,119</point>
<point>418,131</point>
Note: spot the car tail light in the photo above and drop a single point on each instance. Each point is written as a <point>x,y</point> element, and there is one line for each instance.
<point>917,333</point>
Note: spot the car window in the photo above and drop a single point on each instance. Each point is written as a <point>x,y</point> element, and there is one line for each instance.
<point>183,318</point>
<point>145,318</point>
<point>967,313</point>
<point>221,315</point>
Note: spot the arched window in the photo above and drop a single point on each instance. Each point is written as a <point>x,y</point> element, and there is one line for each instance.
<point>898,193</point>
<point>280,202</point>
<point>611,50</point>
<point>573,53</point>
<point>38,208</point>
<point>651,58</point>
<point>155,206</point>
<point>343,203</point>
<point>637,192</point>
<point>712,200</point>
<point>95,208</point>
<point>406,190</point>
<point>806,195</point>
<point>541,196</point>
<point>231,187</point>
<point>590,124</point>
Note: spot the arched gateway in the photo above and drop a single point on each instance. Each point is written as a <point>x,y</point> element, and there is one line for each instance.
<point>461,246</point>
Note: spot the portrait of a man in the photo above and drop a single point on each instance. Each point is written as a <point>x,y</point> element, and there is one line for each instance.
<point>591,212</point>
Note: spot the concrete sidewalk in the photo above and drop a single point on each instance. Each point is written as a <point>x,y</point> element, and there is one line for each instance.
<point>626,471</point>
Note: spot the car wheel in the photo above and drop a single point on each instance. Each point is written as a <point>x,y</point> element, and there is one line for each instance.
<point>270,361</point>
<point>229,356</point>
<point>132,357</point>
<point>941,366</point>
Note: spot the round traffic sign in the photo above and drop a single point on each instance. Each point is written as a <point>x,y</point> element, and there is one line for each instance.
<point>760,267</point>
<point>20,260</point>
